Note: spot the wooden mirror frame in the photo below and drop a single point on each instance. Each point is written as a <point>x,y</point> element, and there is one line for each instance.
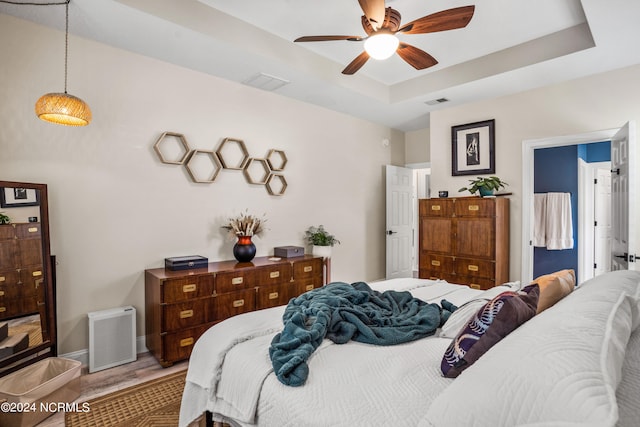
<point>47,348</point>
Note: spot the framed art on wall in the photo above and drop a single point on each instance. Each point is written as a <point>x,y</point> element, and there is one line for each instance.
<point>15,197</point>
<point>473,148</point>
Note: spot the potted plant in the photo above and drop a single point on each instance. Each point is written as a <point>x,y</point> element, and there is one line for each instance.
<point>321,241</point>
<point>4,219</point>
<point>486,186</point>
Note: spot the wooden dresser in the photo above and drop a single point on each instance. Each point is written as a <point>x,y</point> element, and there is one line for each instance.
<point>21,269</point>
<point>181,305</point>
<point>465,240</point>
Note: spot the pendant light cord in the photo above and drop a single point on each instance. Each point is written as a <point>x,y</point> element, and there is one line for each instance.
<point>66,27</point>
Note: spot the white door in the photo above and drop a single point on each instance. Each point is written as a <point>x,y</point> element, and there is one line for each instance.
<point>399,222</point>
<point>602,221</point>
<point>624,196</point>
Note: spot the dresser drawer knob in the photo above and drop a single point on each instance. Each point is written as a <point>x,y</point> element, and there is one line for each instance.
<point>309,287</point>
<point>36,273</point>
<point>274,274</point>
<point>2,278</point>
<point>186,314</point>
<point>435,207</point>
<point>474,286</point>
<point>238,303</point>
<point>33,229</point>
<point>186,342</point>
<point>474,207</point>
<point>435,263</point>
<point>273,295</point>
<point>472,267</point>
<point>308,268</point>
<point>1,293</point>
<point>189,288</point>
<point>237,280</point>
<point>3,309</point>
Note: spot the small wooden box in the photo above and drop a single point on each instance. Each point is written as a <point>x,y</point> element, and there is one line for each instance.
<point>185,262</point>
<point>288,251</point>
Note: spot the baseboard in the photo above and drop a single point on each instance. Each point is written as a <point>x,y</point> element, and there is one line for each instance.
<point>82,356</point>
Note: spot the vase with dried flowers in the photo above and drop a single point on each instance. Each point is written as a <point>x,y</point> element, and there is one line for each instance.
<point>244,227</point>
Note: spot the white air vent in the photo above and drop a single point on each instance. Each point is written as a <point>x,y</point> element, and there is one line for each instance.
<point>266,82</point>
<point>436,101</point>
<point>112,337</point>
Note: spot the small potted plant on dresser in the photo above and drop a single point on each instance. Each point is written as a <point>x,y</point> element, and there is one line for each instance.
<point>321,241</point>
<point>486,186</point>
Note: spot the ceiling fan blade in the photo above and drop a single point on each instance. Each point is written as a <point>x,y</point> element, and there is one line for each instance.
<point>374,11</point>
<point>417,58</point>
<point>449,19</point>
<point>356,64</point>
<point>328,38</point>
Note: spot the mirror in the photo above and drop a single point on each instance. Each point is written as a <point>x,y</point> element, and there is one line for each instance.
<point>27,277</point>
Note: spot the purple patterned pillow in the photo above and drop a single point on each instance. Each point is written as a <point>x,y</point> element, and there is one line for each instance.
<point>494,321</point>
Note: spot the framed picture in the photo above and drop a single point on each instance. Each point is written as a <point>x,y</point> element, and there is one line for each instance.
<point>11,197</point>
<point>473,148</point>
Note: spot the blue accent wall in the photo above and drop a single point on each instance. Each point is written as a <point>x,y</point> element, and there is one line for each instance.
<point>556,170</point>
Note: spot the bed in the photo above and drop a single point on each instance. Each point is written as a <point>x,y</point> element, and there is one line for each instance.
<point>575,363</point>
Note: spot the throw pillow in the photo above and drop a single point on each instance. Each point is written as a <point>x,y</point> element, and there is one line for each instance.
<point>494,321</point>
<point>554,287</point>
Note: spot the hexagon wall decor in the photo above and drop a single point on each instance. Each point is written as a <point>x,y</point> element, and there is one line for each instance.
<point>203,166</point>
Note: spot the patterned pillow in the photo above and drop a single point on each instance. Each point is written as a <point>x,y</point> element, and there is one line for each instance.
<point>494,321</point>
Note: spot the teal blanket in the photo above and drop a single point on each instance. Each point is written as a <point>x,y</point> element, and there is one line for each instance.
<point>343,312</point>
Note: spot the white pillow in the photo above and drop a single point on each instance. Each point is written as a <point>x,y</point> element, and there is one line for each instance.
<point>463,314</point>
<point>560,368</point>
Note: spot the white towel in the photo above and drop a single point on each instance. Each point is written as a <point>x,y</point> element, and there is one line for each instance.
<point>559,223</point>
<point>540,220</point>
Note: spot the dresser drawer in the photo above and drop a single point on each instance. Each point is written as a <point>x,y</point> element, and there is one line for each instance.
<point>438,275</point>
<point>233,303</point>
<point>475,207</point>
<point>185,314</point>
<point>436,263</point>
<point>178,345</point>
<point>436,207</point>
<point>273,274</point>
<point>185,288</point>
<point>273,295</point>
<point>475,268</point>
<point>476,282</point>
<point>305,269</point>
<point>231,281</point>
<point>29,230</point>
<point>305,285</point>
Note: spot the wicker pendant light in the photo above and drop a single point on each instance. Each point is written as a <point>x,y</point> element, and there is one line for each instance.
<point>62,108</point>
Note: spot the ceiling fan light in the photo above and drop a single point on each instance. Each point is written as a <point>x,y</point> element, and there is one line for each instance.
<point>381,46</point>
<point>63,109</point>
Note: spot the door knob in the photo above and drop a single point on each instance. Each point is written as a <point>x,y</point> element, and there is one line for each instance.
<point>390,232</point>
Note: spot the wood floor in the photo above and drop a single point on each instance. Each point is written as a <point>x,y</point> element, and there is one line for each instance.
<point>109,380</point>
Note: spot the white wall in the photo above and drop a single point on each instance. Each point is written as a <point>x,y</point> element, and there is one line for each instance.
<point>603,101</point>
<point>417,146</point>
<point>116,210</point>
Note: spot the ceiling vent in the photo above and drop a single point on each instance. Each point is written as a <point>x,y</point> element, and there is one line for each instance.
<point>437,101</point>
<point>266,82</point>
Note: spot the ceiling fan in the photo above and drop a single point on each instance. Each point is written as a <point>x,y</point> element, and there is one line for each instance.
<point>381,24</point>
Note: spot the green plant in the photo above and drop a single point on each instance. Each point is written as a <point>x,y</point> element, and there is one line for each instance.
<point>318,236</point>
<point>4,219</point>
<point>484,185</point>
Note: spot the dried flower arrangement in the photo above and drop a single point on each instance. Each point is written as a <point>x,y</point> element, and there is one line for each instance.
<point>245,225</point>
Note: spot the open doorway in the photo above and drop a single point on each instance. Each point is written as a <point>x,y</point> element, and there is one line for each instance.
<point>528,190</point>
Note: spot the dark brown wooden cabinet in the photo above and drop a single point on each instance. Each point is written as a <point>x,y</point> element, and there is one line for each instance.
<point>21,270</point>
<point>182,305</point>
<point>465,240</point>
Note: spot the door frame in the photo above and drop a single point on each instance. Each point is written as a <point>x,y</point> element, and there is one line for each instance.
<point>528,147</point>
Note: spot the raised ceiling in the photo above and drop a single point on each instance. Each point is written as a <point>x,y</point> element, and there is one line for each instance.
<point>509,46</point>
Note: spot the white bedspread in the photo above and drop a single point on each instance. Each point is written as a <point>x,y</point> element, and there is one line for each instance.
<point>230,373</point>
